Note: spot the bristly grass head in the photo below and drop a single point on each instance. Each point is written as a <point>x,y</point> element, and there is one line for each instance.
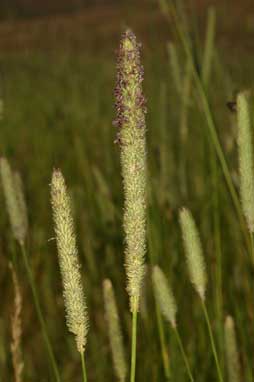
<point>130,120</point>
<point>245,150</point>
<point>15,201</point>
<point>115,335</point>
<point>194,252</point>
<point>75,305</point>
<point>164,295</point>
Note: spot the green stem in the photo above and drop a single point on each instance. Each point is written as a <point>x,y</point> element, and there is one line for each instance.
<point>40,316</point>
<point>212,341</point>
<point>180,343</point>
<point>164,352</point>
<point>159,322</point>
<point>133,345</point>
<point>83,366</point>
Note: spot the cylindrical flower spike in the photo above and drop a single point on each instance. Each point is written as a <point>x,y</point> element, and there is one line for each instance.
<point>194,252</point>
<point>164,295</point>
<point>130,119</point>
<point>75,304</point>
<point>246,158</point>
<point>115,335</point>
<point>232,356</point>
<point>15,209</point>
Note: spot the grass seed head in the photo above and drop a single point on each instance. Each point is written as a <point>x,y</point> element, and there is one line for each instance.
<point>245,150</point>
<point>130,120</point>
<point>164,295</point>
<point>194,252</point>
<point>15,201</point>
<point>75,305</point>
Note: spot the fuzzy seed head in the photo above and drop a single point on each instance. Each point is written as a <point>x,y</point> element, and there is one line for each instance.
<point>164,295</point>
<point>130,120</point>
<point>75,305</point>
<point>115,335</point>
<point>15,202</point>
<point>193,252</point>
<point>232,356</point>
<point>245,151</point>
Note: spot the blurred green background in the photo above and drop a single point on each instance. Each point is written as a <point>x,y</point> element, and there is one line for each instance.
<point>57,63</point>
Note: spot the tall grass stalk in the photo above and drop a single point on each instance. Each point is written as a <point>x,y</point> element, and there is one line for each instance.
<point>130,120</point>
<point>74,298</point>
<point>169,9</point>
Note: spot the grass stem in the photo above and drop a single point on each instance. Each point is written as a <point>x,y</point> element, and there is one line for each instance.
<point>82,354</point>
<point>164,352</point>
<point>180,343</point>
<point>40,316</point>
<point>133,345</point>
<point>212,341</point>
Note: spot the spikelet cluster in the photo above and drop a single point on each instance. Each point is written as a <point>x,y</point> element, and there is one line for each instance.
<point>75,305</point>
<point>15,202</point>
<point>246,158</point>
<point>16,330</point>
<point>232,357</point>
<point>130,120</point>
<point>194,252</point>
<point>164,295</point>
<point>115,336</point>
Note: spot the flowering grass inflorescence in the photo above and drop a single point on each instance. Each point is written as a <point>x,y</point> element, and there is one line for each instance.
<point>130,120</point>
<point>75,305</point>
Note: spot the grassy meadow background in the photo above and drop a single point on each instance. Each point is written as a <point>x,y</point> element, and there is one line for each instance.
<point>57,81</point>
